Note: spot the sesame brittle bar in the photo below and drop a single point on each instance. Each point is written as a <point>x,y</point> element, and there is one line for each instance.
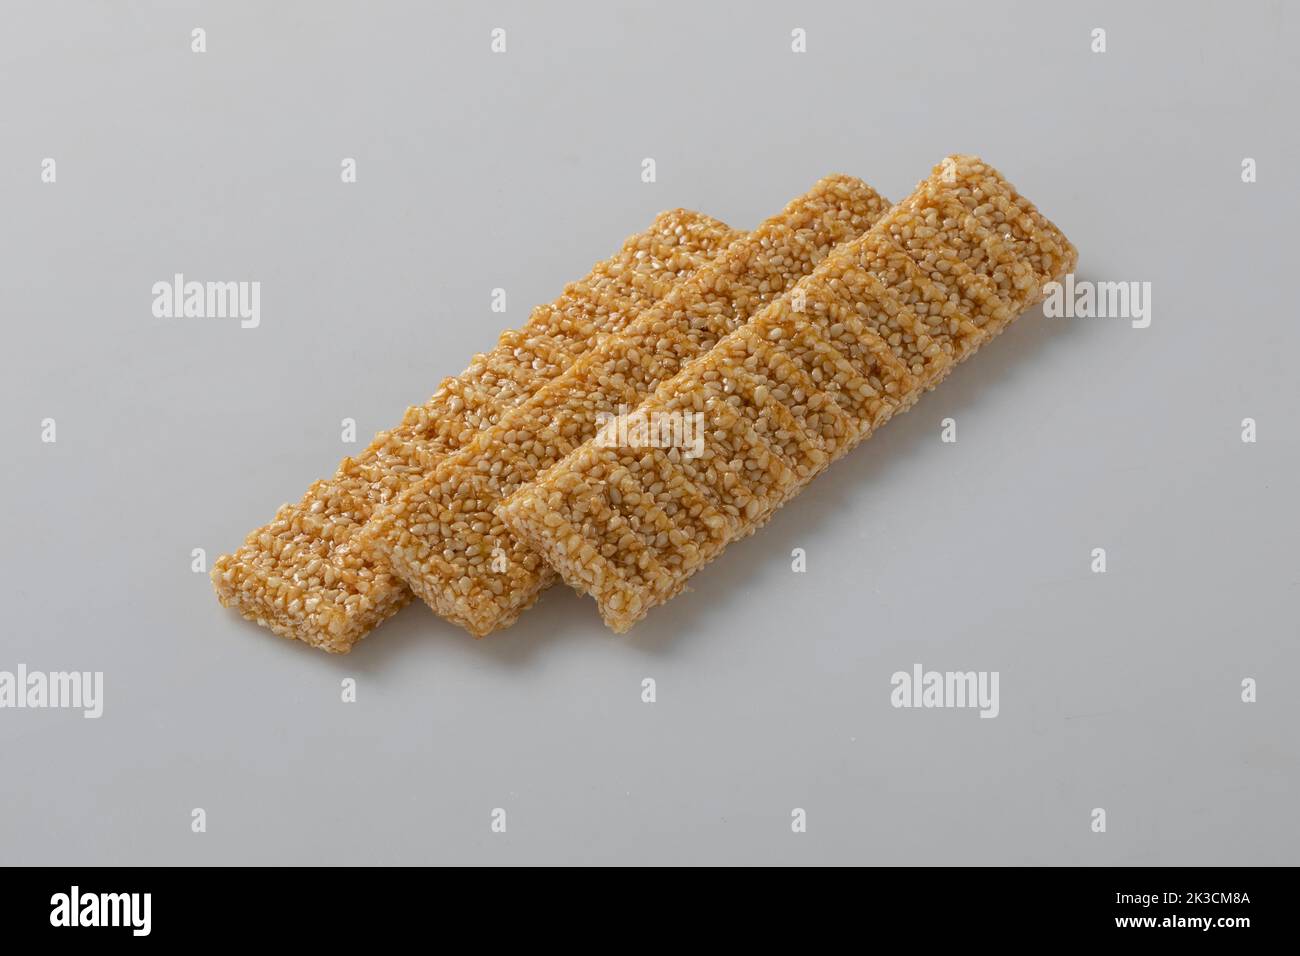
<point>860,339</point>
<point>302,574</point>
<point>443,535</point>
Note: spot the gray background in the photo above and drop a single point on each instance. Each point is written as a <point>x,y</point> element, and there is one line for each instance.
<point>475,171</point>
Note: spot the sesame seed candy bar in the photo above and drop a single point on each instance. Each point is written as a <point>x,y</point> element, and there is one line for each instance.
<point>302,575</point>
<point>443,535</point>
<point>873,327</point>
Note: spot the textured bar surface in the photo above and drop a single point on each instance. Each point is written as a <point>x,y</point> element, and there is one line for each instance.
<point>857,341</point>
<point>443,535</point>
<point>302,575</point>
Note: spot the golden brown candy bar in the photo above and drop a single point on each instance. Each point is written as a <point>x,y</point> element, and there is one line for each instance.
<point>302,575</point>
<point>857,341</point>
<point>443,535</point>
